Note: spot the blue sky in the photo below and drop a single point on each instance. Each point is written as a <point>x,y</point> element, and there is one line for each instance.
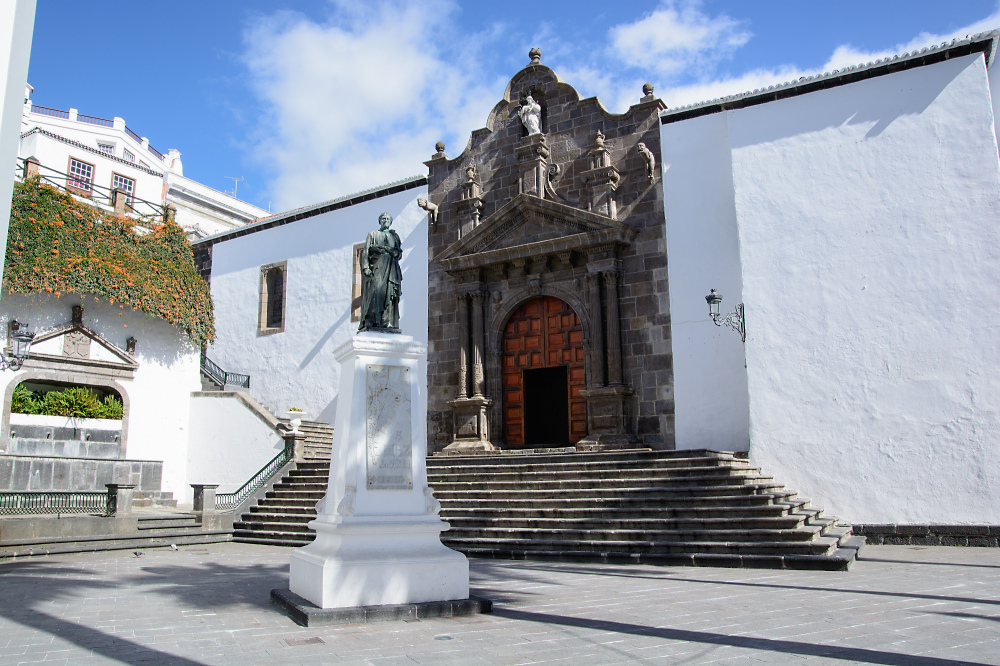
<point>309,100</point>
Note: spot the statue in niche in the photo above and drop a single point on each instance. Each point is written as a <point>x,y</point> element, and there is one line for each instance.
<point>381,285</point>
<point>531,115</point>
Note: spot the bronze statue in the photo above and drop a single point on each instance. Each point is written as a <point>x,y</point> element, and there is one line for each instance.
<point>381,285</point>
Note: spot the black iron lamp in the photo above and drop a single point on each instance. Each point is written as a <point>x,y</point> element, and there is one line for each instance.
<point>21,339</point>
<point>734,319</point>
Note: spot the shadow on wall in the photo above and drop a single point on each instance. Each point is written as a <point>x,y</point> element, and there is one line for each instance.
<point>881,102</point>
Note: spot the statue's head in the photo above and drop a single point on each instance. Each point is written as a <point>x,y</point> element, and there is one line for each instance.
<point>384,220</point>
<point>529,99</point>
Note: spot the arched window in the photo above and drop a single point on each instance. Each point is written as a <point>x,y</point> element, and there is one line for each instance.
<point>272,298</point>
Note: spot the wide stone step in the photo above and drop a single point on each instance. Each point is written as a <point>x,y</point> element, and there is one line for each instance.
<point>283,509</point>
<point>819,546</point>
<point>594,466</point>
<point>626,520</point>
<point>301,486</point>
<point>160,522</point>
<point>760,493</point>
<point>273,538</point>
<point>604,485</point>
<point>667,474</point>
<point>30,548</point>
<point>763,504</point>
<point>839,560</point>
<point>309,503</point>
<point>515,458</point>
<point>637,533</point>
<point>272,526</point>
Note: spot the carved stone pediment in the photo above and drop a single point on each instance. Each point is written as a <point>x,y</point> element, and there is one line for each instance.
<point>529,227</point>
<point>78,345</point>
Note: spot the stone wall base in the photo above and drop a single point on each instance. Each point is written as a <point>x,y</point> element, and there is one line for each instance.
<point>930,535</point>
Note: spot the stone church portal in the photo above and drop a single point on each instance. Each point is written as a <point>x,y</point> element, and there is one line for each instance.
<point>548,307</point>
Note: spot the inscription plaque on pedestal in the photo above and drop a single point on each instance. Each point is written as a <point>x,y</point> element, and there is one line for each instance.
<point>388,428</point>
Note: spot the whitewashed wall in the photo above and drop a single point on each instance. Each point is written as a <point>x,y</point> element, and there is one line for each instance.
<point>56,154</point>
<point>870,258</point>
<point>159,395</point>
<point>710,382</point>
<point>296,367</point>
<point>17,21</point>
<point>229,443</point>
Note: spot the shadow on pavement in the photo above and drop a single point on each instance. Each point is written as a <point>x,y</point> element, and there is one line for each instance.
<point>851,654</point>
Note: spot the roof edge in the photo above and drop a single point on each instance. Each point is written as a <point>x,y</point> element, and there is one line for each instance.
<point>984,42</point>
<point>312,210</point>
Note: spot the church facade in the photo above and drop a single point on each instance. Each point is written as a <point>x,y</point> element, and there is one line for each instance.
<point>548,321</point>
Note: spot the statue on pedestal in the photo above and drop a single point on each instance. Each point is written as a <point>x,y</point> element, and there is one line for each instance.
<point>382,281</point>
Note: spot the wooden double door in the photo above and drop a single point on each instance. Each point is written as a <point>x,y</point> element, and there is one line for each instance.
<point>543,374</point>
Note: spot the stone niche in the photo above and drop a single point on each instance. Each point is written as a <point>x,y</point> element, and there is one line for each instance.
<point>548,307</point>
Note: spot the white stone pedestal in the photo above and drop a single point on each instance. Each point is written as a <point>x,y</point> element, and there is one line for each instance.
<point>378,531</point>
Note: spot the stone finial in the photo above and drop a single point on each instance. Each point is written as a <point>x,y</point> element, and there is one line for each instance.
<point>170,213</point>
<point>536,55</point>
<point>439,148</point>
<point>599,139</point>
<point>471,172</point>
<point>647,89</point>
<point>77,314</point>
<point>130,345</point>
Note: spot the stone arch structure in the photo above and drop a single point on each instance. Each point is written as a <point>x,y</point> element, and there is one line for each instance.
<point>543,373</point>
<point>65,377</point>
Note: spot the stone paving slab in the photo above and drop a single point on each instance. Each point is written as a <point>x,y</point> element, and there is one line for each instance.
<point>210,604</point>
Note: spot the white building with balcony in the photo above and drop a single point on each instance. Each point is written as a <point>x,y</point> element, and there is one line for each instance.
<point>92,156</point>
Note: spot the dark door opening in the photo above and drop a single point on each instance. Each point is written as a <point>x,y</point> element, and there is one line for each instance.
<point>546,407</point>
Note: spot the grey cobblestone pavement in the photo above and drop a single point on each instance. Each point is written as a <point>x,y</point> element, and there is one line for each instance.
<point>932,606</point>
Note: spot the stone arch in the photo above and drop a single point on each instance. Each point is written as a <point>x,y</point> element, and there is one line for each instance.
<point>86,379</point>
<point>541,370</point>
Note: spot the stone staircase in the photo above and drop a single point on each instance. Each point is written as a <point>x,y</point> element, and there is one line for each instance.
<point>701,508</point>
<point>694,508</point>
<point>154,531</point>
<point>280,517</point>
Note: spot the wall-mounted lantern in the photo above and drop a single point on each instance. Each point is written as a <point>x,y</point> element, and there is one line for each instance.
<point>734,319</point>
<point>21,339</point>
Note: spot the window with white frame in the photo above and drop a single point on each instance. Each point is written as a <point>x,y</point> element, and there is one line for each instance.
<point>127,154</point>
<point>80,176</point>
<point>108,148</point>
<point>127,185</point>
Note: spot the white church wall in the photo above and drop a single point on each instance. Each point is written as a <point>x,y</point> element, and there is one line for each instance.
<point>710,384</point>
<point>295,367</point>
<point>870,253</point>
<point>158,394</point>
<point>229,443</point>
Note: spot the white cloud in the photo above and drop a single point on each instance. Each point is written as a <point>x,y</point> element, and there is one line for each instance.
<point>359,100</point>
<point>676,37</point>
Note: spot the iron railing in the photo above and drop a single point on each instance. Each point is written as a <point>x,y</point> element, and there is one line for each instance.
<point>136,137</point>
<point>220,376</point>
<point>97,194</point>
<point>94,120</point>
<point>232,501</point>
<point>155,152</point>
<point>47,111</point>
<point>34,502</point>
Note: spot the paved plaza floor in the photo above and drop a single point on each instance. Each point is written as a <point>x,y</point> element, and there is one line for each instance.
<point>211,605</point>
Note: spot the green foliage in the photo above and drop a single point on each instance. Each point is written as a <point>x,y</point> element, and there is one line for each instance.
<point>74,401</point>
<point>23,401</point>
<point>58,245</point>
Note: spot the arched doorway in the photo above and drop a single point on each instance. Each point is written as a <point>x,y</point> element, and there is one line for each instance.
<point>543,374</point>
